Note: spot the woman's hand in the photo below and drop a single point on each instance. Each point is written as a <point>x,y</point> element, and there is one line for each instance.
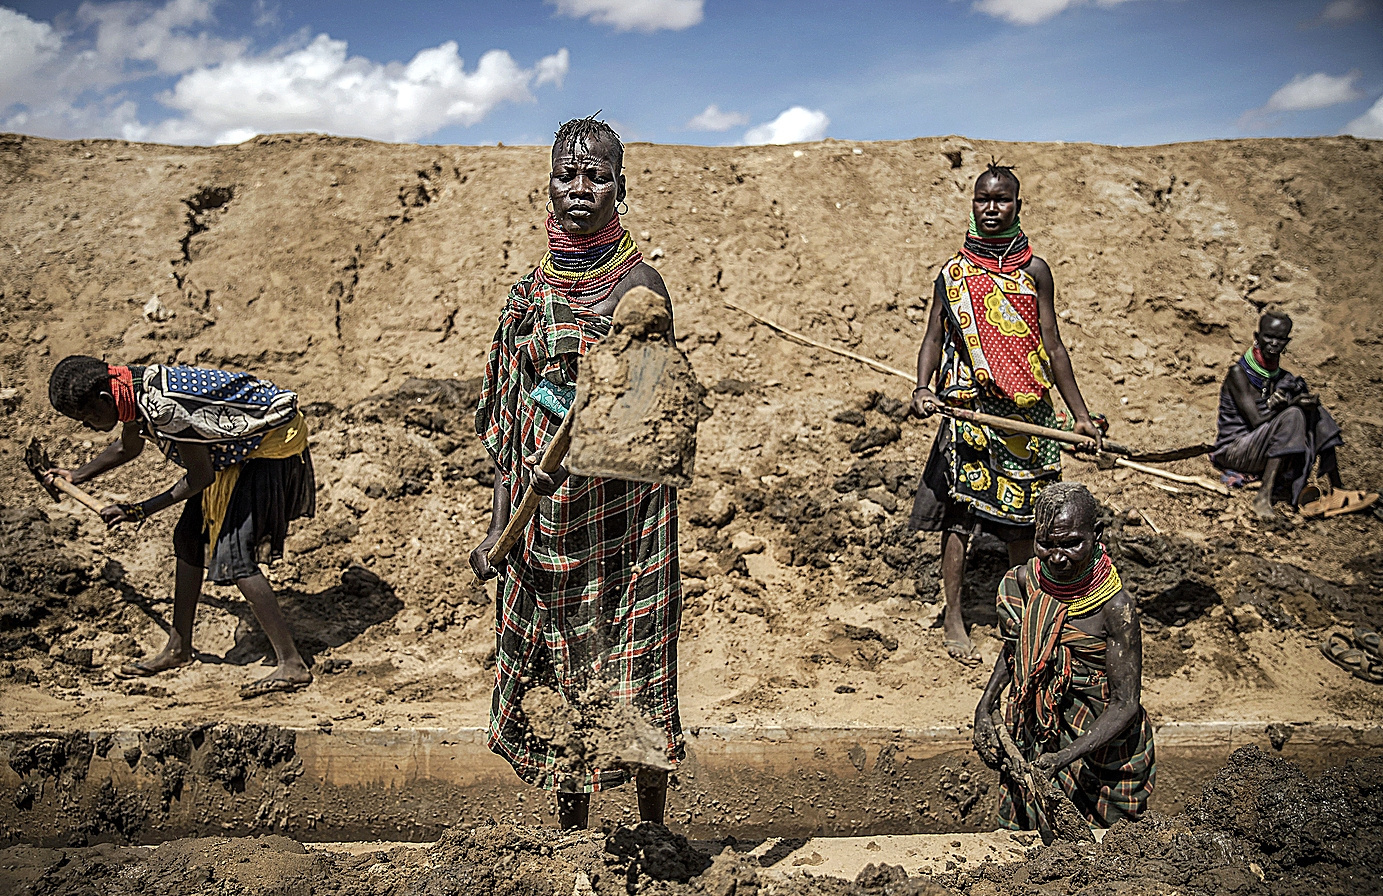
<point>986,740</point>
<point>546,484</point>
<point>1046,766</point>
<point>924,402</point>
<point>57,473</point>
<point>114,515</point>
<point>1086,427</point>
<point>480,557</point>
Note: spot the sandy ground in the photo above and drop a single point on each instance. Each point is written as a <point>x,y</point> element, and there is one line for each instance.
<point>369,276</point>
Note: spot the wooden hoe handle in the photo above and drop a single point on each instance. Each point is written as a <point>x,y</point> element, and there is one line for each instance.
<point>68,488</point>
<point>518,520</point>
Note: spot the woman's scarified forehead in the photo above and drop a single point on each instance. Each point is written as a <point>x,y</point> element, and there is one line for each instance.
<point>585,134</point>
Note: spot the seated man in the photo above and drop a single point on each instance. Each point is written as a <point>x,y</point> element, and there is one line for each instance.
<point>1073,655</point>
<point>1271,425</point>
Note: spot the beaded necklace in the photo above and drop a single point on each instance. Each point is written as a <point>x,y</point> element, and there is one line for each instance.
<point>1089,590</point>
<point>1260,377</point>
<point>586,268</point>
<point>1004,252</point>
<point>122,391</point>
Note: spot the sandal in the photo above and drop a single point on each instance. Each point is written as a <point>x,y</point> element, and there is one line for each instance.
<point>1338,649</point>
<point>271,686</point>
<point>964,652</point>
<point>141,669</point>
<point>1348,502</point>
<point>1311,503</point>
<point>1372,672</point>
<point>1368,640</point>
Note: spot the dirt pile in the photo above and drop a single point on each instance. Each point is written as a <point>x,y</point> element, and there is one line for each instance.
<point>1261,826</point>
<point>369,277</point>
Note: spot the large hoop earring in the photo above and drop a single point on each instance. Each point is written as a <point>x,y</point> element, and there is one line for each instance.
<point>622,211</point>
<point>549,207</point>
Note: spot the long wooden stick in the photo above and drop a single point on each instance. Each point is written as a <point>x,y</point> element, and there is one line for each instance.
<point>986,419</point>
<point>552,459</point>
<point>1051,803</point>
<point>807,340</point>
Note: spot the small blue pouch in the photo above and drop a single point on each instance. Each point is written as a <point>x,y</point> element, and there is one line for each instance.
<point>553,398</point>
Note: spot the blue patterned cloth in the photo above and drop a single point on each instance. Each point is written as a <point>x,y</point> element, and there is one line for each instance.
<point>228,412</point>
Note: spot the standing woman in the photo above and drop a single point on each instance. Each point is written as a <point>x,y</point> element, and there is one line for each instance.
<point>243,442</point>
<point>592,591</point>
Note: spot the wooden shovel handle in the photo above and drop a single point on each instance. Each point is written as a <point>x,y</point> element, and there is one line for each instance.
<point>518,520</point>
<point>68,488</point>
<point>1027,429</point>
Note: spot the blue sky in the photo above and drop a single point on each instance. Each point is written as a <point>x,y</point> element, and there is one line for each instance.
<point>694,71</point>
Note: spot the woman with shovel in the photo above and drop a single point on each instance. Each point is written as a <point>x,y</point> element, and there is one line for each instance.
<point>590,597</point>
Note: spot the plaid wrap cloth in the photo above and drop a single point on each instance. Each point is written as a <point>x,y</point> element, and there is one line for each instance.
<point>1059,689</point>
<point>592,591</point>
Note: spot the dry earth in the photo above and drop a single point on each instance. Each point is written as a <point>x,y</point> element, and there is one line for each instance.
<point>369,276</point>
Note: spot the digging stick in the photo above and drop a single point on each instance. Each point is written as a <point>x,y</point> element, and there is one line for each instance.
<point>1051,804</point>
<point>552,459</point>
<point>37,460</point>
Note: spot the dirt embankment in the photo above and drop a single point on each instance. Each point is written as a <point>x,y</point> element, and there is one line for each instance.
<point>1260,827</point>
<point>369,277</point>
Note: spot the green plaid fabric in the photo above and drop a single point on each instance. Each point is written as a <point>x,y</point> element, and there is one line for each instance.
<point>593,590</point>
<point>1110,783</point>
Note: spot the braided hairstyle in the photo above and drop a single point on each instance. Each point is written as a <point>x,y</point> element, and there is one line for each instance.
<point>76,382</point>
<point>1055,498</point>
<point>1002,172</point>
<point>581,133</point>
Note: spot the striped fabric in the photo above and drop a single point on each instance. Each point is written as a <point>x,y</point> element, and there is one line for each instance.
<point>592,591</point>
<point>1059,689</point>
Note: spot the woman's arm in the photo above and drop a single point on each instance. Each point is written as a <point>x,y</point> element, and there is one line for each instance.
<point>499,518</point>
<point>121,451</point>
<point>986,739</point>
<point>1124,666</point>
<point>924,400</point>
<point>1060,358</point>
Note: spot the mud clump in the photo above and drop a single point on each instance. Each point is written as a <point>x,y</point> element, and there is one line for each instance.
<point>596,732</point>
<point>638,402</point>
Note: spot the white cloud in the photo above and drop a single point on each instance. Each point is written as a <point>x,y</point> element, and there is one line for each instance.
<point>712,119</point>
<point>635,15</point>
<point>321,88</point>
<point>159,36</point>
<point>26,48</point>
<point>1342,11</point>
<point>1315,91</point>
<point>796,125</point>
<point>1033,12</point>
<point>80,82</point>
<point>1370,124</point>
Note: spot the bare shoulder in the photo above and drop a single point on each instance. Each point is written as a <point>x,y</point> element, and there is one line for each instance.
<point>1121,613</point>
<point>1038,270</point>
<point>643,274</point>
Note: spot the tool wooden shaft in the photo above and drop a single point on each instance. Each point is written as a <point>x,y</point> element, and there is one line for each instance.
<point>518,520</point>
<point>68,488</point>
<point>1027,429</point>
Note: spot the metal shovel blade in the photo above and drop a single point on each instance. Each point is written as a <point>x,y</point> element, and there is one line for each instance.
<point>638,403</point>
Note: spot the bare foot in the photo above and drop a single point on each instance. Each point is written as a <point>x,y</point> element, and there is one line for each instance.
<point>1266,514</point>
<point>161,662</point>
<point>958,644</point>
